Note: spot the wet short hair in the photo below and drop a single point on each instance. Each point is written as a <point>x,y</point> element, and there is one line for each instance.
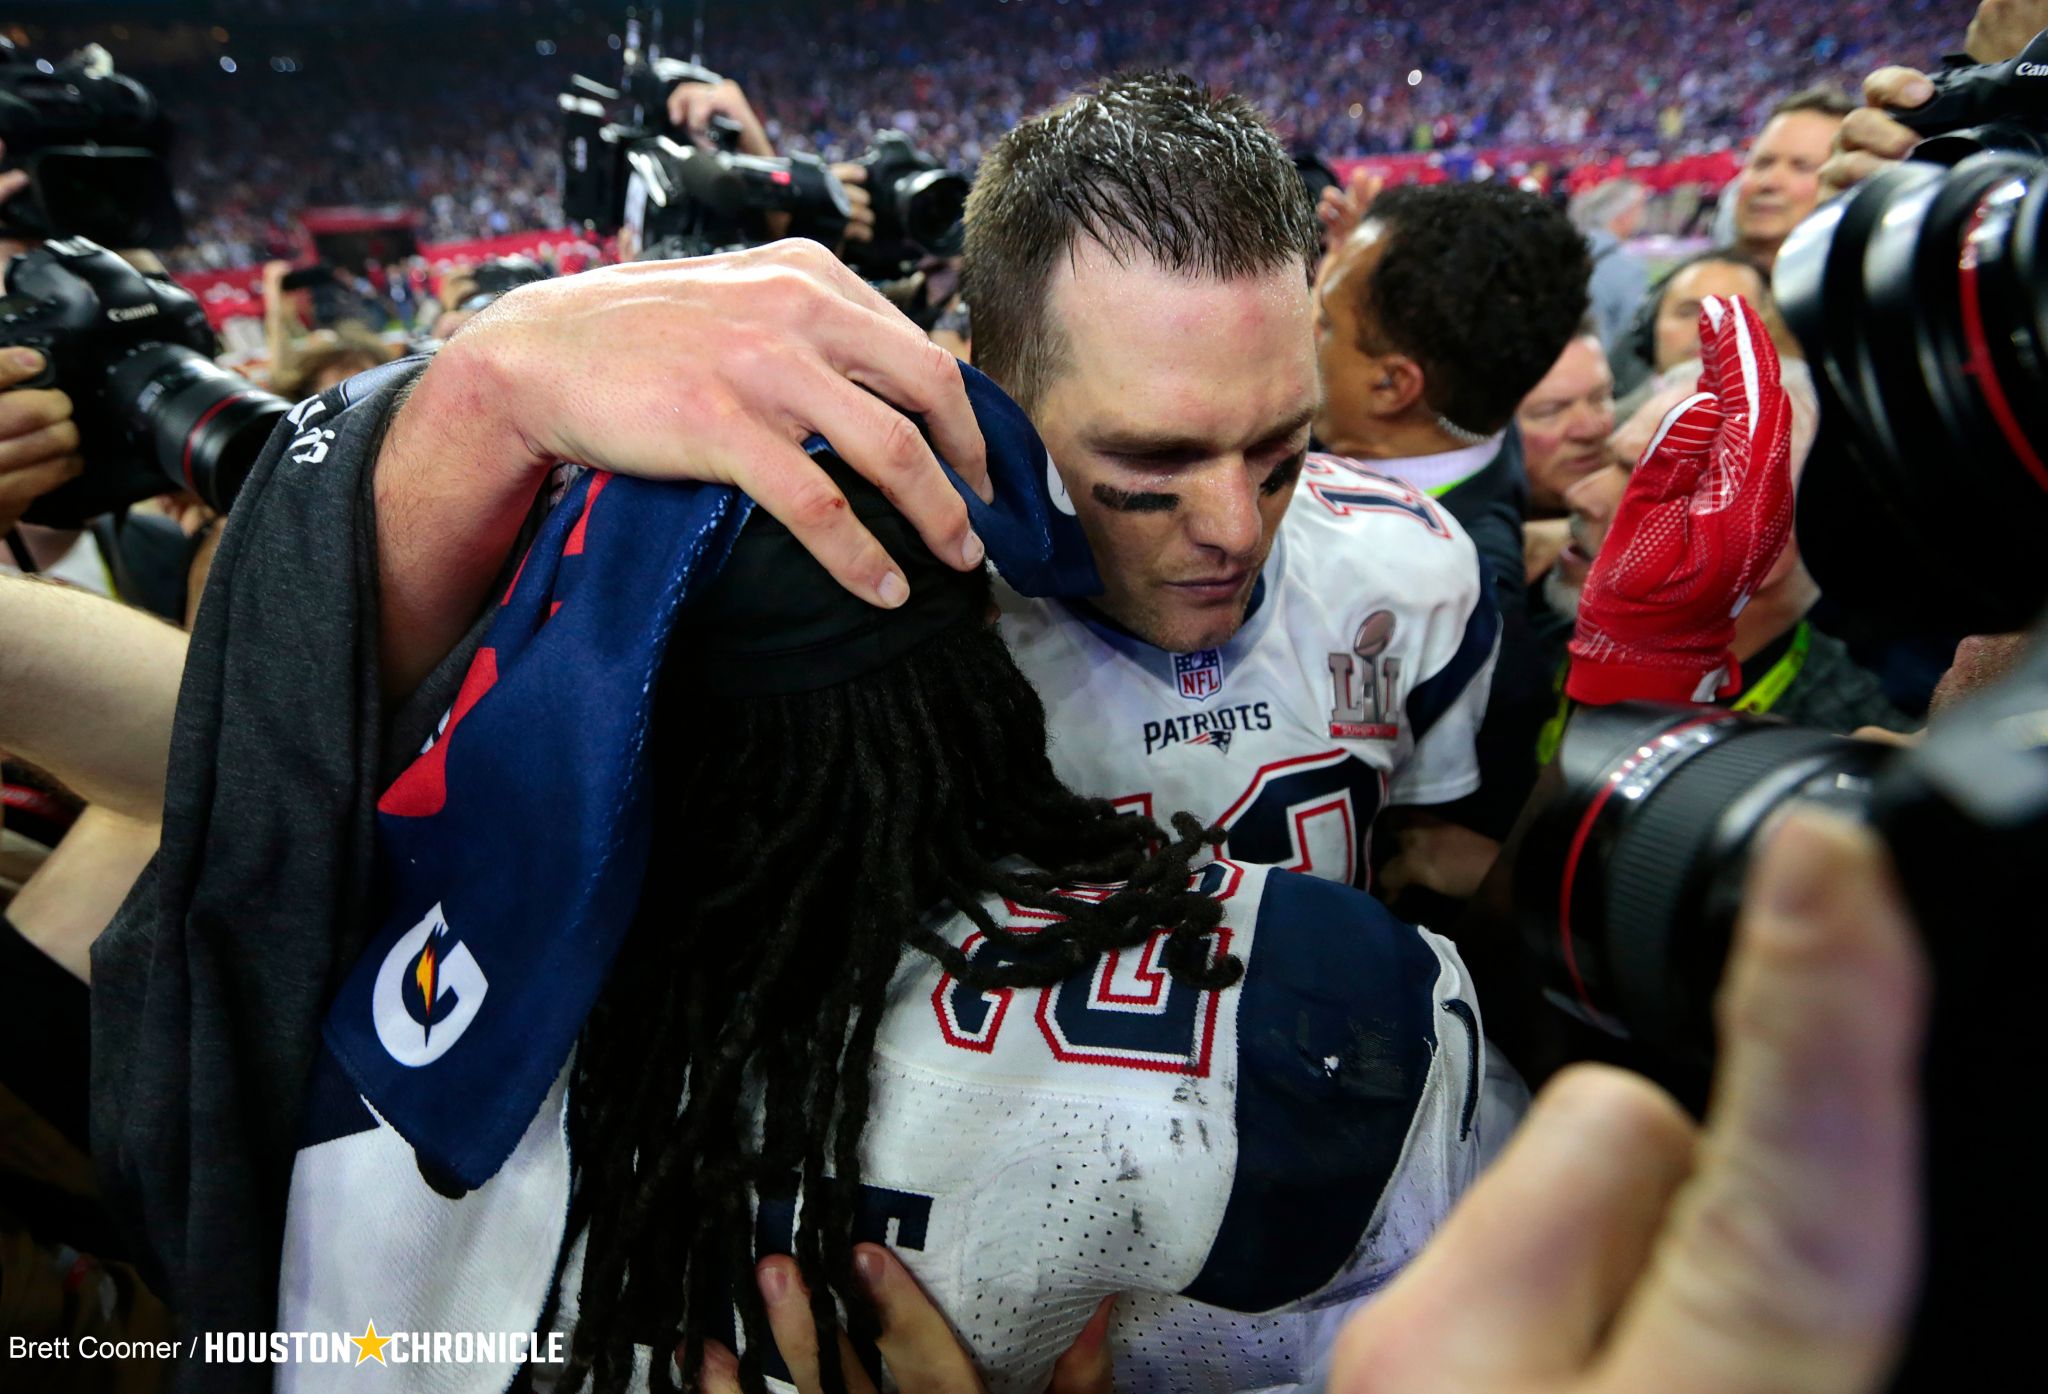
<point>1147,164</point>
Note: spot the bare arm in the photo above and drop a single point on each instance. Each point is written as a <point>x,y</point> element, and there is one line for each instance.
<point>75,892</point>
<point>714,369</point>
<point>87,691</point>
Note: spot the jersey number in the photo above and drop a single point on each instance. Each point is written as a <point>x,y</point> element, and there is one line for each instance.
<point>1122,1009</point>
<point>1312,814</point>
<point>1345,489</point>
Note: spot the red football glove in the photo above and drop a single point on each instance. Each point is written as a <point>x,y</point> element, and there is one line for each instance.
<point>1704,518</point>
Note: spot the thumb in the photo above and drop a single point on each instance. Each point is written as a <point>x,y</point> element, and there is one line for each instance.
<point>1085,1367</point>
<point>1789,1258</point>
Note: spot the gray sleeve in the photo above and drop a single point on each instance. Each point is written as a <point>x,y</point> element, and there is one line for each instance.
<point>209,984</point>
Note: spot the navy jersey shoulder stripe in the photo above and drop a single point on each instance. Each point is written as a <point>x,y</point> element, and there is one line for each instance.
<point>1432,697</point>
<point>333,1107</point>
<point>1335,1036</point>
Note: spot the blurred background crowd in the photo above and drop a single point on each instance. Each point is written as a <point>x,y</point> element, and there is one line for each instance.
<point>449,109</point>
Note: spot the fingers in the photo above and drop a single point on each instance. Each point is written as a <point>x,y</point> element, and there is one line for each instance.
<point>19,365</point>
<point>1361,189</point>
<point>918,1346</point>
<point>2002,28</point>
<point>796,492</point>
<point>44,444</point>
<point>12,183</point>
<point>889,356</point>
<point>720,1372</point>
<point>1869,130</point>
<point>1789,1258</point>
<point>1845,170</point>
<point>1675,458</point>
<point>885,448</point>
<point>860,209</point>
<point>1869,139</point>
<point>1739,363</point>
<point>21,487</point>
<point>796,1335</point>
<point>1086,1367</point>
<point>1897,87</point>
<point>1522,1280</point>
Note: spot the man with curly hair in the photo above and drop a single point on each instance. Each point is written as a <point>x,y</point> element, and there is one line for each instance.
<point>1438,314</point>
<point>1139,260</point>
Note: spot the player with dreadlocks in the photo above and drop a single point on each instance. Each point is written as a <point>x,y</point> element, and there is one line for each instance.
<point>827,774</point>
<point>729,916</point>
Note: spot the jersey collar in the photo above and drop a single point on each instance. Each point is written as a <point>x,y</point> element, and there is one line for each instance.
<point>1433,474</point>
<point>1257,619</point>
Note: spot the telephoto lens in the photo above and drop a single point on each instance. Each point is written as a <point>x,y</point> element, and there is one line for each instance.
<point>1628,877</point>
<point>154,413</point>
<point>1921,300</point>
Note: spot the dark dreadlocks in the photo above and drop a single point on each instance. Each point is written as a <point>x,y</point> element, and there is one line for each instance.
<point>799,841</point>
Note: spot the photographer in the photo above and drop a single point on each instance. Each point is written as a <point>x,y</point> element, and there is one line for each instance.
<point>1869,140</point>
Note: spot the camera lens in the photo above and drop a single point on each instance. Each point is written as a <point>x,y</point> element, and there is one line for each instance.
<point>1629,874</point>
<point>205,425</point>
<point>1921,304</point>
<point>931,204</point>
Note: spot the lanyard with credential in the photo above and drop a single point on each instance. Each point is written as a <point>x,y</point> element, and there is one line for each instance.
<point>1766,691</point>
<point>1763,694</point>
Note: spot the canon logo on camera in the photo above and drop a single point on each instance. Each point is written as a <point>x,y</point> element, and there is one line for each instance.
<point>122,316</point>
<point>2033,70</point>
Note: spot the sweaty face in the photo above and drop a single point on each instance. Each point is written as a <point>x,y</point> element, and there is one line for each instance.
<point>1178,418</point>
<point>1678,312</point>
<point>1781,180</point>
<point>1565,421</point>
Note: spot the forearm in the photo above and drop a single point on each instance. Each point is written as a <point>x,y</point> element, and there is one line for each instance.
<point>88,689</point>
<point>73,895</point>
<point>452,490</point>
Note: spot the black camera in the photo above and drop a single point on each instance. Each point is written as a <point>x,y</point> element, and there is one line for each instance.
<point>154,412</point>
<point>919,206</point>
<point>1985,106</point>
<point>96,147</point>
<point>623,165</point>
<point>1921,299</point>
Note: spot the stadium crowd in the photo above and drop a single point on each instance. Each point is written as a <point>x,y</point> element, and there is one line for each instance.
<point>344,125</point>
<point>533,826</point>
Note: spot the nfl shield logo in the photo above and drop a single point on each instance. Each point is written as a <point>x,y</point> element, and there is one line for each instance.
<point>1198,675</point>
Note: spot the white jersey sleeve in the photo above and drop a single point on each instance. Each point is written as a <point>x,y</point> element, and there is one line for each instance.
<point>1420,553</point>
<point>1358,679</point>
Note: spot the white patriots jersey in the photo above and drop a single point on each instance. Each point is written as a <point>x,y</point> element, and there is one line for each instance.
<point>1244,1165</point>
<point>1241,1164</point>
<point>1357,681</point>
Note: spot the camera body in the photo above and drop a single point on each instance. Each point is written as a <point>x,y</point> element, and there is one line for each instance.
<point>1986,106</point>
<point>154,412</point>
<point>95,146</point>
<point>625,166</point>
<point>1921,300</point>
<point>919,205</point>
